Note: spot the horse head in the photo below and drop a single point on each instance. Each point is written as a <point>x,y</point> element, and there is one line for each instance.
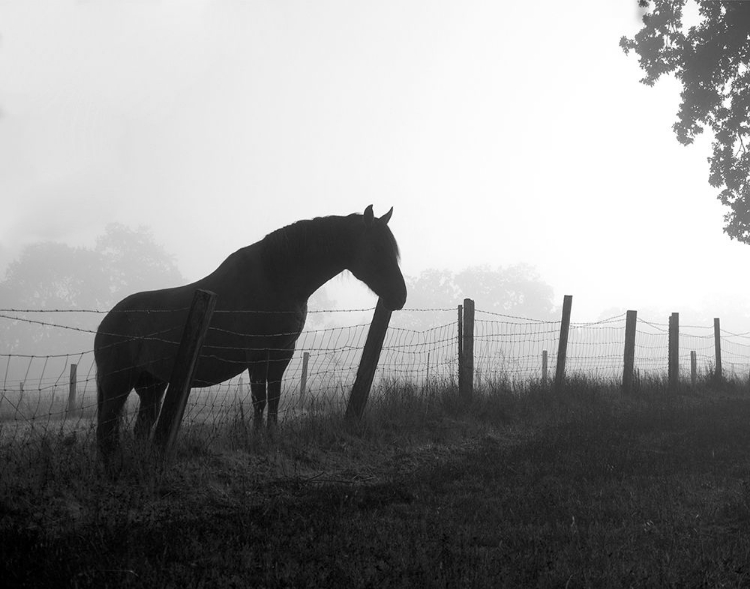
<point>375,259</point>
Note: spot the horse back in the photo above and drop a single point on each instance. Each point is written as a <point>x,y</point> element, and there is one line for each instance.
<point>142,332</point>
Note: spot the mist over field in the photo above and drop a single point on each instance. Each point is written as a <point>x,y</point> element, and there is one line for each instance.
<point>212,124</point>
<point>527,175</point>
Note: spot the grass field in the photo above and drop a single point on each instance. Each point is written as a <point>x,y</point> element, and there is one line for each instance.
<point>520,488</point>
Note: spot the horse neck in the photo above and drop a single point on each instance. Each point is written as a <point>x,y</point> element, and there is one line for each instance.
<point>302,257</point>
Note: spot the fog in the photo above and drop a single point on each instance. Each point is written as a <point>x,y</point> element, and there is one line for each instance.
<point>501,136</point>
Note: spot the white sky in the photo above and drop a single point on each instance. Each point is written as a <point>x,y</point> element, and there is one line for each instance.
<point>500,134</point>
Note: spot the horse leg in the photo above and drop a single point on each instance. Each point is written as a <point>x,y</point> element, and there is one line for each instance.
<point>112,392</point>
<point>277,364</point>
<point>150,391</point>
<point>258,371</point>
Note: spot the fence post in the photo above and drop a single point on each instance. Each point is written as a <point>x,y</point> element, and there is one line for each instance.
<point>196,328</point>
<point>629,355</point>
<point>674,352</point>
<point>717,346</point>
<point>544,368</point>
<point>369,362</point>
<point>303,378</point>
<point>72,389</point>
<point>562,348</point>
<point>693,368</point>
<point>466,361</point>
<point>460,328</point>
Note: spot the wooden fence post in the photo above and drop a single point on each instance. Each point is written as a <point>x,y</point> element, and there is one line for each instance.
<point>544,368</point>
<point>303,378</point>
<point>466,362</point>
<point>196,328</point>
<point>562,348</point>
<point>460,328</point>
<point>72,389</point>
<point>674,352</point>
<point>369,362</point>
<point>693,368</point>
<point>629,354</point>
<point>717,347</point>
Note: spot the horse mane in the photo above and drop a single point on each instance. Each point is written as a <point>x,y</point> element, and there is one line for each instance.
<point>298,239</point>
<point>330,234</point>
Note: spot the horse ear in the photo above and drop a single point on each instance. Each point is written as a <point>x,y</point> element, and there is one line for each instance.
<point>369,216</point>
<point>387,217</point>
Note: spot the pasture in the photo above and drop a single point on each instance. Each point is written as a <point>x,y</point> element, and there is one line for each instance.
<point>583,487</point>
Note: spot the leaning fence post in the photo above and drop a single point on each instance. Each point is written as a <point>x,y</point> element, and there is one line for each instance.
<point>544,368</point>
<point>674,352</point>
<point>72,389</point>
<point>369,362</point>
<point>196,328</point>
<point>303,378</point>
<point>562,348</point>
<point>629,355</point>
<point>466,361</point>
<point>717,347</point>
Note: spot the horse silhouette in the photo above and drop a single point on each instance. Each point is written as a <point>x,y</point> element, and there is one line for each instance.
<point>261,306</point>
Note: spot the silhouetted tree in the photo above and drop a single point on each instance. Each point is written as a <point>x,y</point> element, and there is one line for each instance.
<point>710,59</point>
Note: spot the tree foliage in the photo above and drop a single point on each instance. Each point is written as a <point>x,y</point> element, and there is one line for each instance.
<point>134,262</point>
<point>51,276</point>
<point>512,290</point>
<point>710,59</point>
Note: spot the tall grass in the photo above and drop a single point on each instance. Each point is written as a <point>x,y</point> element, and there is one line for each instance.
<point>521,485</point>
<point>400,413</point>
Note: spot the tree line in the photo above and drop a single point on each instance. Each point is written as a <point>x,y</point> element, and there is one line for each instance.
<point>49,276</point>
<point>54,276</point>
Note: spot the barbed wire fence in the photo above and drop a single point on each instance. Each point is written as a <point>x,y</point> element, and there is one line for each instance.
<point>57,391</point>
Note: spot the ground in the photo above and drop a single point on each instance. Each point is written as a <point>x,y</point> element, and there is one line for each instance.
<point>580,488</point>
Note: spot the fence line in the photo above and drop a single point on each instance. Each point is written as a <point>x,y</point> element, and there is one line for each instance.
<point>35,389</point>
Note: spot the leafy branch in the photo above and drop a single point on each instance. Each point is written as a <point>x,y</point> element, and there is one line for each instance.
<point>710,59</point>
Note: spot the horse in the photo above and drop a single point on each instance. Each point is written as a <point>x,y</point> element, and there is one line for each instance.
<point>261,305</point>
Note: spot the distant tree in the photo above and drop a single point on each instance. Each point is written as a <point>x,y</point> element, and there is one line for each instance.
<point>51,276</point>
<point>512,290</point>
<point>134,261</point>
<point>711,61</point>
<point>432,289</point>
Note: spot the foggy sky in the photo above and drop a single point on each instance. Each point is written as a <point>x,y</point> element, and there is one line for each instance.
<point>499,134</point>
